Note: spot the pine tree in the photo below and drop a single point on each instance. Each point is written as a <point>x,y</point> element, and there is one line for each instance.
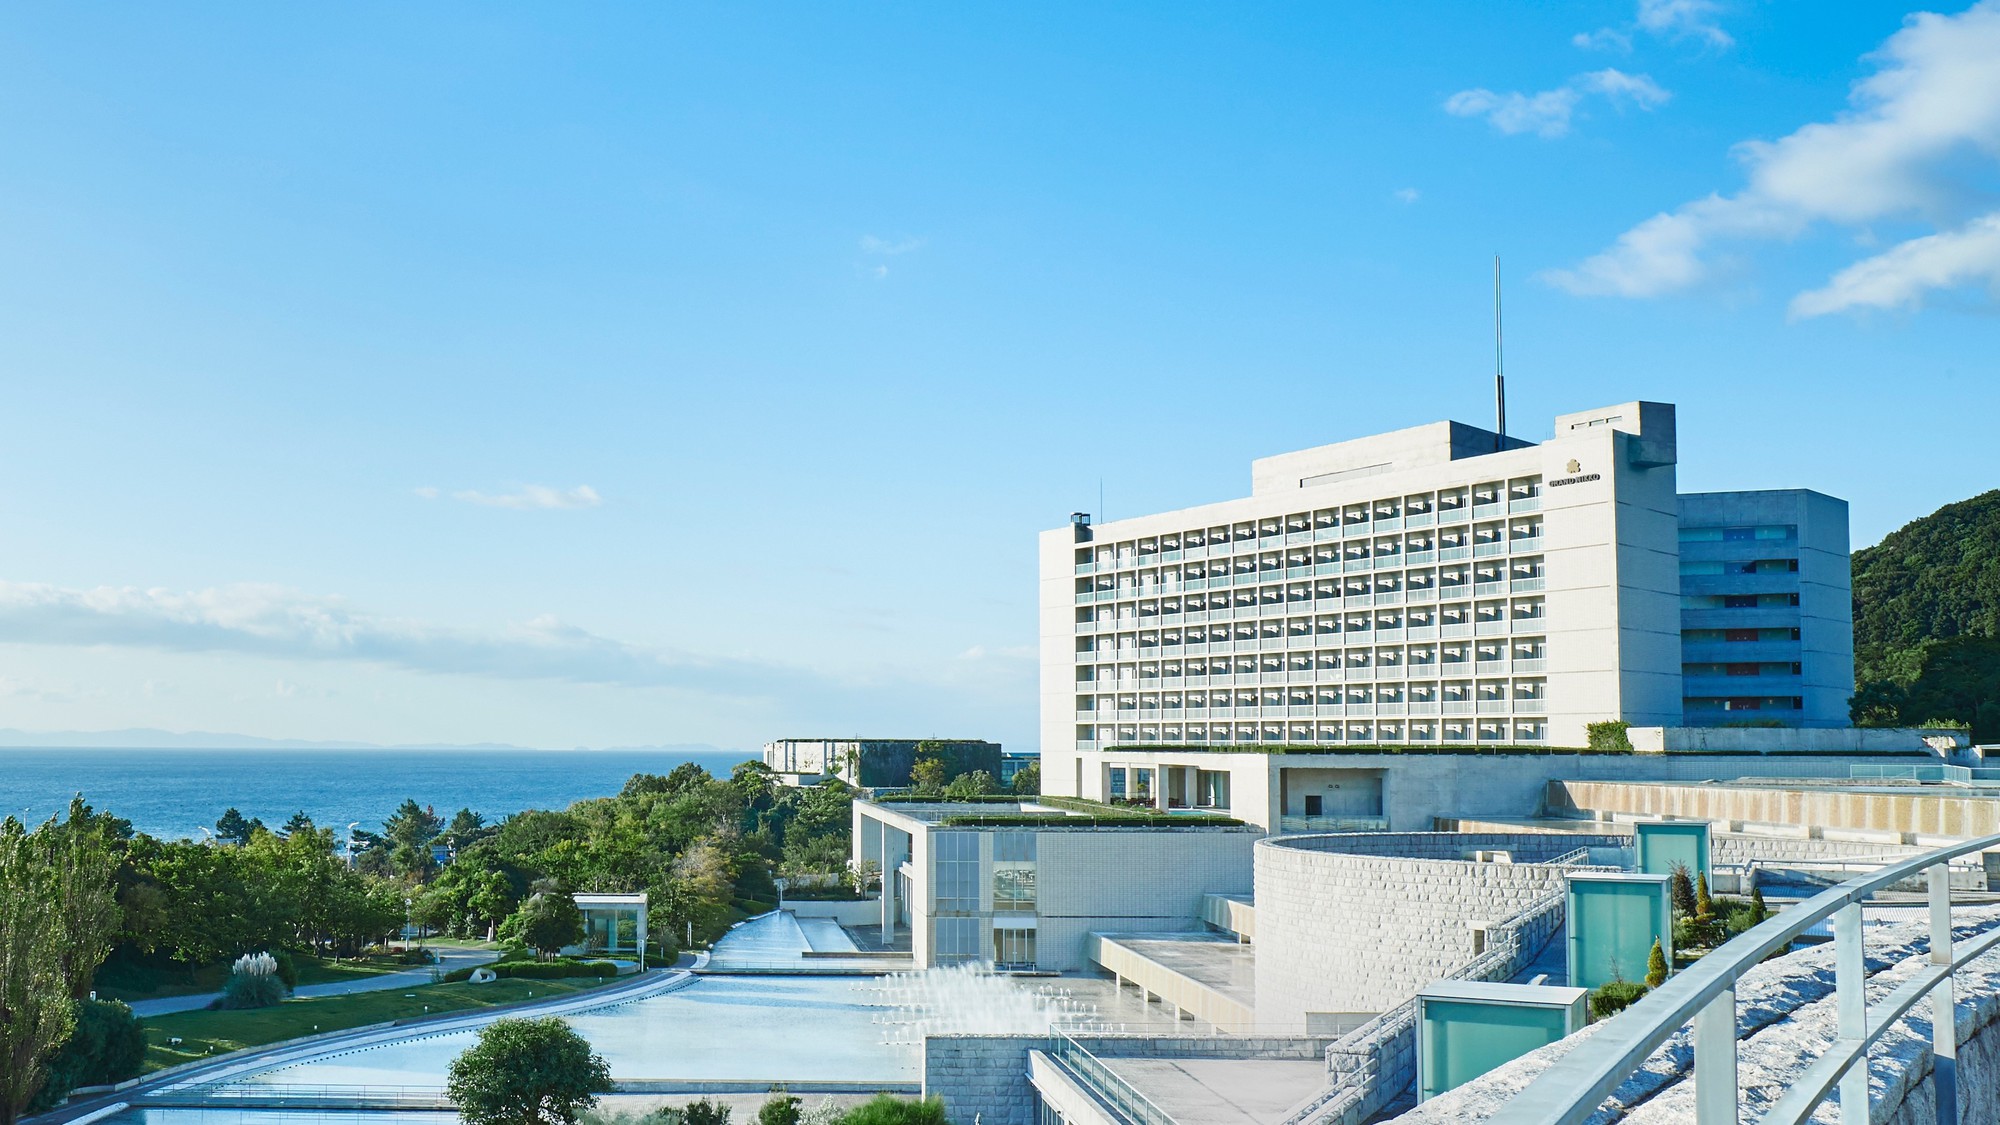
<point>1704,906</point>
<point>1656,966</point>
<point>1680,889</point>
<point>1758,911</point>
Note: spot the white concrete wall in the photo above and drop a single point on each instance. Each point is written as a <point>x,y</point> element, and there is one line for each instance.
<point>1342,931</point>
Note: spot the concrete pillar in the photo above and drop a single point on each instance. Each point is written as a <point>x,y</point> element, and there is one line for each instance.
<point>642,939</point>
<point>888,890</point>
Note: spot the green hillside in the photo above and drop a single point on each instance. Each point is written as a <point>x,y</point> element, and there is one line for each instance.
<point>1927,621</point>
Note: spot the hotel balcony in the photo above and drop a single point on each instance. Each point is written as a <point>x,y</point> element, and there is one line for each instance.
<point>1761,617</point>
<point>1693,585</point>
<point>1741,687</point>
<point>1740,652</point>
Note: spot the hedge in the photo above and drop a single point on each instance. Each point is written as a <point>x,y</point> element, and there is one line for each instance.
<point>539,970</point>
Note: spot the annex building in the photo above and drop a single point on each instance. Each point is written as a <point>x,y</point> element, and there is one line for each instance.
<point>1445,585</point>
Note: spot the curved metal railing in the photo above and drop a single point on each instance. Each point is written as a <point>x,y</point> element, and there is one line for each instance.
<point>1574,1086</point>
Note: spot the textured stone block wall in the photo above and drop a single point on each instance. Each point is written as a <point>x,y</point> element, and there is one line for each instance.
<point>1363,928</point>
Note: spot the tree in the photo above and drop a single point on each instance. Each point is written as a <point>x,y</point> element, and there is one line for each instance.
<point>1681,890</point>
<point>1758,909</point>
<point>927,778</point>
<point>299,822</point>
<point>231,828</point>
<point>550,921</point>
<point>409,834</point>
<point>466,826</point>
<point>82,852</point>
<point>1656,966</point>
<point>1028,780</point>
<point>527,1072</point>
<point>1704,906</point>
<point>978,783</point>
<point>36,1016</point>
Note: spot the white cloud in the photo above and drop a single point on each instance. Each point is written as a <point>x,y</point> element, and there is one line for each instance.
<point>1684,19</point>
<point>1671,19</point>
<point>1901,151</point>
<point>1407,195</point>
<point>1901,277</point>
<point>1603,39</point>
<point>271,621</point>
<point>889,247</point>
<point>533,497</point>
<point>1548,113</point>
<point>428,492</point>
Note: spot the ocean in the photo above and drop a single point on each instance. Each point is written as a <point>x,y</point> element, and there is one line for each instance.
<point>175,793</point>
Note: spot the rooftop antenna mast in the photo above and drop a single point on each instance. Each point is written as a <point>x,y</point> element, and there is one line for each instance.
<point>1499,372</point>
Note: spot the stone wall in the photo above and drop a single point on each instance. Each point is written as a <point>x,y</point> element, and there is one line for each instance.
<point>1359,923</point>
<point>1907,815</point>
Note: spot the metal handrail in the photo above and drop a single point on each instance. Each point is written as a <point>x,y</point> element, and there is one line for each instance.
<point>1574,1086</point>
<point>1107,1083</point>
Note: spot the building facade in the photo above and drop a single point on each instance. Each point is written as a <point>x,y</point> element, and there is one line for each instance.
<point>875,763</point>
<point>1767,609</point>
<point>1439,586</point>
<point>1029,896</point>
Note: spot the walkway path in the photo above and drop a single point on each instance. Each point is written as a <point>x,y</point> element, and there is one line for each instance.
<point>449,959</point>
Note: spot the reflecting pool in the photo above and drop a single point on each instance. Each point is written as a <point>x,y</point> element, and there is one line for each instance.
<point>763,1028</point>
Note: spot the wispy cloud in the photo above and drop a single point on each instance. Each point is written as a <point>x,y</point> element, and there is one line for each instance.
<point>1902,151</point>
<point>1669,19</point>
<point>272,621</point>
<point>874,247</point>
<point>1681,19</point>
<point>1548,113</point>
<point>532,497</point>
<point>889,247</point>
<point>1407,195</point>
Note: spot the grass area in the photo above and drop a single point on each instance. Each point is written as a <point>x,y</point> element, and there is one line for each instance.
<point>204,1033</point>
<point>143,982</point>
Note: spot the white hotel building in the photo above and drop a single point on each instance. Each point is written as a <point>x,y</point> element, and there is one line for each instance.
<point>1442,585</point>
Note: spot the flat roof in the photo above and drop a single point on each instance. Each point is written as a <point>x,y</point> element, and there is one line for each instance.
<point>1223,1091</point>
<point>1214,961</point>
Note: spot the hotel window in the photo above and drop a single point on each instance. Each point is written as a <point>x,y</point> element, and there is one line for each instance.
<point>1014,872</point>
<point>1117,786</point>
<point>957,939</point>
<point>1142,784</point>
<point>957,867</point>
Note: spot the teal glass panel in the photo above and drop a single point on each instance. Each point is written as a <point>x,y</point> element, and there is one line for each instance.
<point>1612,926</point>
<point>1463,1039</point>
<point>1661,846</point>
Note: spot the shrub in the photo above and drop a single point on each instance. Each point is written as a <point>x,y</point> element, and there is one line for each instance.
<point>1614,998</point>
<point>288,970</point>
<point>1028,780</point>
<point>539,970</point>
<point>1704,906</point>
<point>780,1109</point>
<point>1612,736</point>
<point>1656,966</point>
<point>888,1109</point>
<point>253,983</point>
<point>1758,911</point>
<point>702,1111</point>
<point>108,1045</point>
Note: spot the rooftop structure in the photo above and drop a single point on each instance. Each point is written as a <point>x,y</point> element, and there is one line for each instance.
<point>875,763</point>
<point>1444,586</point>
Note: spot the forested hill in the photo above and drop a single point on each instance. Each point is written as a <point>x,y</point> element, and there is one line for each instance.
<point>1927,621</point>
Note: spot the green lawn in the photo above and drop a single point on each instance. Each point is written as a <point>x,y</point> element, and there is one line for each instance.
<point>212,1033</point>
<point>145,983</point>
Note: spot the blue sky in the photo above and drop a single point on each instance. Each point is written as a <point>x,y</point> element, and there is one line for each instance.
<point>641,374</point>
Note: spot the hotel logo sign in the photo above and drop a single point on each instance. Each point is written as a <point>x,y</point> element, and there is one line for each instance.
<point>1576,475</point>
